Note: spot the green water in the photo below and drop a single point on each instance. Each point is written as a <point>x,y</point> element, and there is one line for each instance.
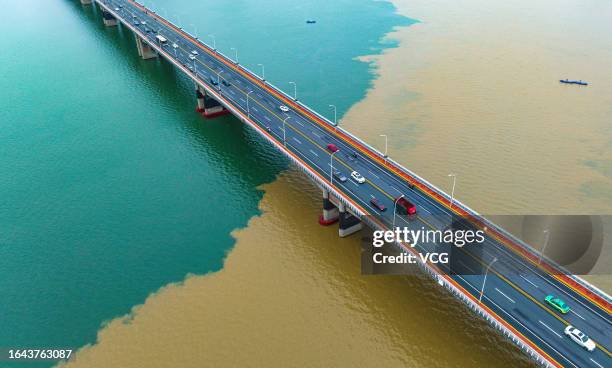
<point>111,186</point>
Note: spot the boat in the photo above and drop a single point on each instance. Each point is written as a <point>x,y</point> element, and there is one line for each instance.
<point>579,82</point>
<point>311,21</point>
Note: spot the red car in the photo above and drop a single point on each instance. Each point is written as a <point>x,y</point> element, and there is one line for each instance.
<point>377,204</point>
<point>405,207</point>
<point>332,147</point>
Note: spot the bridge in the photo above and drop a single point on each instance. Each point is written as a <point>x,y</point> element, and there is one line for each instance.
<point>504,282</point>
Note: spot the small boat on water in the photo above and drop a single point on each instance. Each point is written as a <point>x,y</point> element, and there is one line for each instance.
<point>579,82</point>
<point>311,21</point>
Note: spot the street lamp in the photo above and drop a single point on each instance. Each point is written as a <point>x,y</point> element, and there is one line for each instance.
<point>236,52</point>
<point>294,90</point>
<point>248,111</point>
<point>384,135</point>
<point>331,170</point>
<point>454,176</point>
<point>485,279</point>
<point>195,29</point>
<point>214,42</point>
<point>284,137</point>
<point>219,79</point>
<point>547,235</point>
<point>179,20</point>
<point>395,208</point>
<point>335,115</point>
<point>263,72</point>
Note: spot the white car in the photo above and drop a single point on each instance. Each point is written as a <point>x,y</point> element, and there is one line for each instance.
<point>175,45</point>
<point>192,57</point>
<point>194,52</point>
<point>358,178</point>
<point>580,338</point>
<point>283,108</point>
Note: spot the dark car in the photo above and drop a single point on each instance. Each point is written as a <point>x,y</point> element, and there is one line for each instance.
<point>226,83</point>
<point>338,175</point>
<point>377,204</point>
<point>213,81</point>
<point>332,147</point>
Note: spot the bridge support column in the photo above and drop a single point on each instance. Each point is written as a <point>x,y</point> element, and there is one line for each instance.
<point>208,106</point>
<point>144,50</point>
<point>349,224</point>
<point>330,211</point>
<point>108,19</point>
<point>86,2</point>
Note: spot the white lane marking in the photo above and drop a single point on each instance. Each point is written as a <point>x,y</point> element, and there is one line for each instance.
<point>297,140</point>
<point>242,99</point>
<point>376,176</point>
<point>232,91</point>
<point>314,153</point>
<point>507,297</point>
<point>267,118</point>
<point>551,330</point>
<point>524,278</point>
<point>372,196</point>
<point>468,267</point>
<point>579,316</point>
<point>255,109</point>
<point>315,134</point>
<point>597,364</point>
<point>352,181</point>
<point>297,121</point>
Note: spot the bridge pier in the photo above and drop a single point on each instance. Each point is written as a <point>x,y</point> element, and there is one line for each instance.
<point>144,50</point>
<point>208,106</point>
<point>108,19</point>
<point>349,224</point>
<point>330,213</point>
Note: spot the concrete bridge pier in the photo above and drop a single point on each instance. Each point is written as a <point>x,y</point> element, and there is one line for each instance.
<point>86,2</point>
<point>349,224</point>
<point>108,19</point>
<point>330,213</point>
<point>208,106</point>
<point>144,50</point>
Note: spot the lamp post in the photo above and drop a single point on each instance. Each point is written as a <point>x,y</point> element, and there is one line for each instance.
<point>384,135</point>
<point>454,176</point>
<point>395,208</point>
<point>247,98</point>
<point>214,42</point>
<point>179,20</point>
<point>219,79</point>
<point>335,115</point>
<point>485,279</point>
<point>331,165</point>
<point>195,30</point>
<point>263,72</point>
<point>547,235</point>
<point>284,137</point>
<point>294,90</point>
<point>236,53</point>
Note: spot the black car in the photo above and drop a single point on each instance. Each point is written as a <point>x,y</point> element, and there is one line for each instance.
<point>381,207</point>
<point>213,81</point>
<point>338,175</point>
<point>226,83</point>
